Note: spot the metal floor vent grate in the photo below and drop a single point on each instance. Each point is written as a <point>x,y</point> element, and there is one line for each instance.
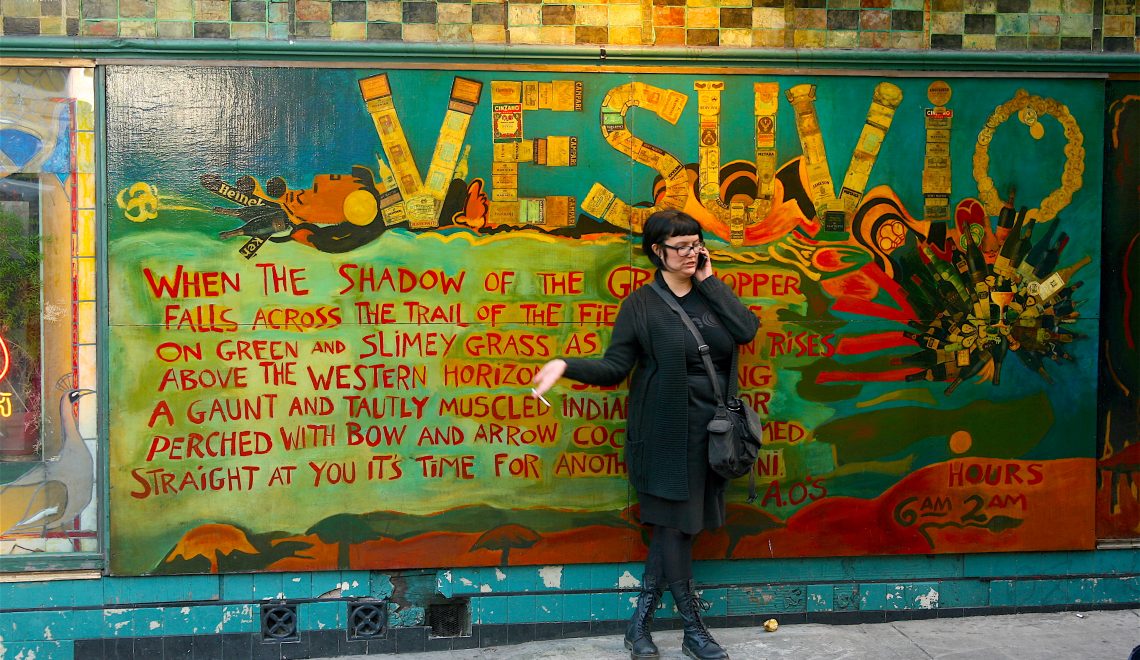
<point>448,619</point>
<point>279,623</point>
<point>367,620</point>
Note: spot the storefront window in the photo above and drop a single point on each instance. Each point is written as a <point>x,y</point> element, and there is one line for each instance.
<point>47,313</point>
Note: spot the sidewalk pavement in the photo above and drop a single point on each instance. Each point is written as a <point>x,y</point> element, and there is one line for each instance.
<point>1095,635</point>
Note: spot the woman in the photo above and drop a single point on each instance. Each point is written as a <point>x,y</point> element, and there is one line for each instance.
<point>670,405</point>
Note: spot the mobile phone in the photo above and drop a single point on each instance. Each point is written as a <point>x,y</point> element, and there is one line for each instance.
<point>702,259</point>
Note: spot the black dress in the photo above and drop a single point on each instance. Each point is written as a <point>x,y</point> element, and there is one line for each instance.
<point>705,508</point>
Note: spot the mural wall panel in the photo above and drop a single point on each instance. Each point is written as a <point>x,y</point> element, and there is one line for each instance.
<point>330,289</point>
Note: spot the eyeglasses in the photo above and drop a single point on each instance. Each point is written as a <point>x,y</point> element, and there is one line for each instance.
<point>684,250</point>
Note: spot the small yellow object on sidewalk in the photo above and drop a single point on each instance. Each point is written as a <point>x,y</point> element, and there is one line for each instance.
<point>770,625</point>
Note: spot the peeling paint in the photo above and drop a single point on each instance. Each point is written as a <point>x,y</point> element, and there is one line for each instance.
<point>817,598</point>
<point>929,600</point>
<point>47,634</point>
<point>228,614</point>
<point>485,588</point>
<point>155,625</point>
<point>551,576</point>
<point>297,579</point>
<point>355,584</point>
<point>628,581</point>
<point>499,575</point>
<point>465,582</point>
<point>545,609</point>
<point>185,610</point>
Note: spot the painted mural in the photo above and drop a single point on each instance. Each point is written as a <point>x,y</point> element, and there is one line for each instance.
<point>326,309</point>
<point>1118,464</point>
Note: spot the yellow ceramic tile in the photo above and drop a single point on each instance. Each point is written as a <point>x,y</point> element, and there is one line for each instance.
<point>592,15</point>
<point>1119,26</point>
<point>85,116</point>
<point>625,36</point>
<point>842,39</point>
<point>702,3</point>
<point>979,42</point>
<point>736,3</point>
<point>768,18</point>
<point>85,196</point>
<point>53,26</point>
<point>625,16</point>
<point>249,30</point>
<point>22,8</point>
<point>527,34</point>
<point>341,31</point>
<point>1077,6</point>
<point>702,17</point>
<point>768,38</point>
<point>138,29</point>
<point>419,33</point>
<point>809,39</point>
<point>523,15</point>
<point>736,37</point>
<point>557,34</point>
<point>85,151</point>
<point>947,23</point>
<point>389,12</point>
<point>455,33</point>
<point>450,12</point>
<point>907,40</point>
<point>86,330</point>
<point>211,10</point>
<point>1044,6</point>
<point>175,30</point>
<point>85,245</point>
<point>811,19</point>
<point>488,34</point>
<point>174,10</point>
<point>85,278</point>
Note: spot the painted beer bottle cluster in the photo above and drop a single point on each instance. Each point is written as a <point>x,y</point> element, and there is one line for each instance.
<point>992,293</point>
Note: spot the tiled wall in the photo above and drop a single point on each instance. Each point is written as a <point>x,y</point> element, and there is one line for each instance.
<point>218,616</point>
<point>976,25</point>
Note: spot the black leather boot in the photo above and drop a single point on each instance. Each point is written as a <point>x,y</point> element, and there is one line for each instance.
<point>637,637</point>
<point>697,643</point>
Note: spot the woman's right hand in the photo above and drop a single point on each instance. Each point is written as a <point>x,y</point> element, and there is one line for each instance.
<point>548,375</point>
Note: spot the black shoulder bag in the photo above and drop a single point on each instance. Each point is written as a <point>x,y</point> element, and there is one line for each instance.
<point>735,429</point>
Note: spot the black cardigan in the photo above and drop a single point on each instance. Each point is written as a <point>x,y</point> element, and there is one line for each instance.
<point>649,338</point>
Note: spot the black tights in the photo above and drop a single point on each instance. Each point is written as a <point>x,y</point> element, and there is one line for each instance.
<point>670,555</point>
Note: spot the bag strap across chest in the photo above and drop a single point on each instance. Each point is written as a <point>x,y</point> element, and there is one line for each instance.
<point>702,347</point>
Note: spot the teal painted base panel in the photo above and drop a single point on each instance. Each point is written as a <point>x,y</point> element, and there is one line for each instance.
<point>221,616</point>
<point>418,639</point>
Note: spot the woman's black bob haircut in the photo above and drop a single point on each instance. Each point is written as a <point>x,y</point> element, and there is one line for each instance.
<point>667,224</point>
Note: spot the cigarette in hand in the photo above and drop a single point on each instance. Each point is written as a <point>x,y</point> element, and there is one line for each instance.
<point>540,397</point>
